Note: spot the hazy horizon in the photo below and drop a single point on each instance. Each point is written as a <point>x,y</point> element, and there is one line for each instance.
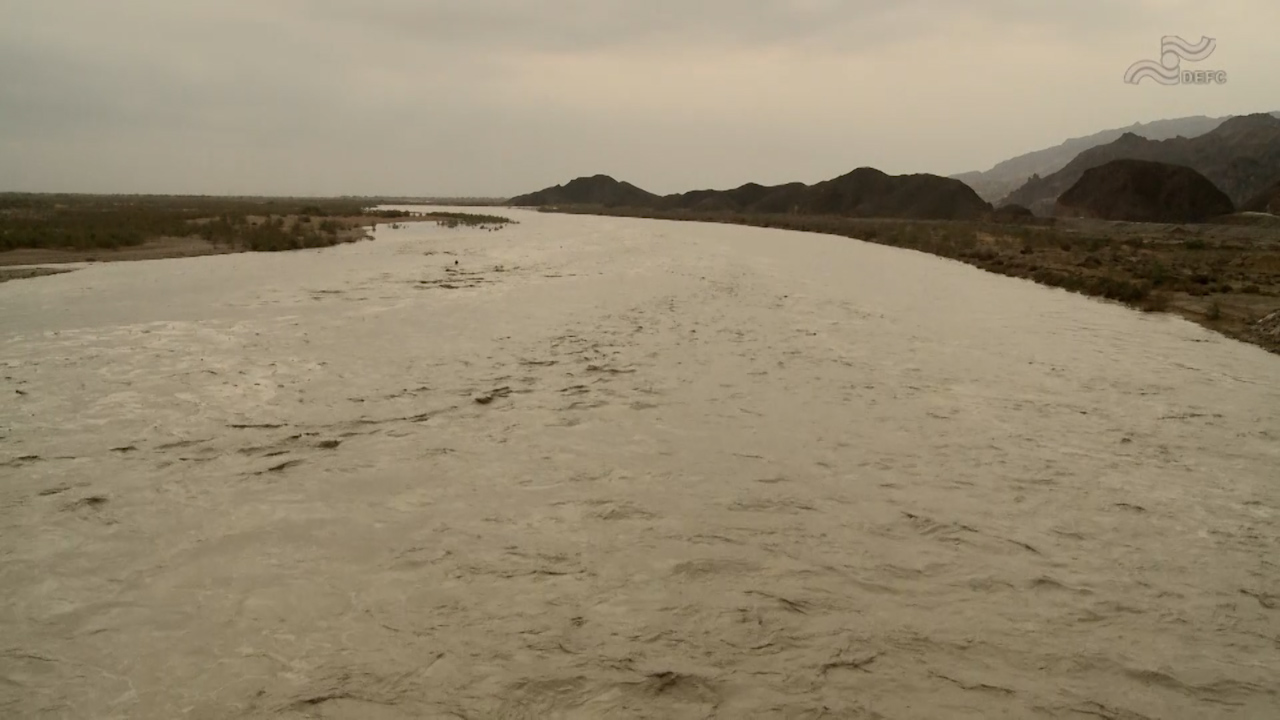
<point>494,98</point>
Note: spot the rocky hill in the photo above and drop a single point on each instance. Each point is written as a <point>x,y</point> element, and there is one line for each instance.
<point>867,192</point>
<point>1009,175</point>
<point>864,192</point>
<point>1241,156</point>
<point>595,190</point>
<point>1144,191</point>
<point>1267,201</point>
<point>751,197</point>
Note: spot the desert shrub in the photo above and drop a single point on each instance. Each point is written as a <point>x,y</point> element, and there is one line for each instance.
<point>1125,291</point>
<point>1157,273</point>
<point>454,219</point>
<point>1155,302</point>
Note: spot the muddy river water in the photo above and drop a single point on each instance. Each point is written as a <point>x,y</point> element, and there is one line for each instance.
<point>589,467</point>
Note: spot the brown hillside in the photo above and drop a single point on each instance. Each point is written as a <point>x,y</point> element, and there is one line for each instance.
<point>867,192</point>
<point>1241,157</point>
<point>1144,191</point>
<point>595,190</point>
<point>1013,173</point>
<point>1267,201</point>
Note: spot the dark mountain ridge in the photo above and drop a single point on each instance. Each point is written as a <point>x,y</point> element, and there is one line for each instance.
<point>594,190</point>
<point>864,192</point>
<point>1008,175</point>
<point>1241,157</point>
<point>1144,191</point>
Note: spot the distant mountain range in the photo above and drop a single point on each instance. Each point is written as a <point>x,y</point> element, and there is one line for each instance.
<point>864,192</point>
<point>997,183</point>
<point>1241,156</point>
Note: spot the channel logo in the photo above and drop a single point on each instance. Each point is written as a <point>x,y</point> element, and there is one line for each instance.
<point>1168,70</point>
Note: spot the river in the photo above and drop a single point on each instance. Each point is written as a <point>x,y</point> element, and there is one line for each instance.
<point>593,467</point>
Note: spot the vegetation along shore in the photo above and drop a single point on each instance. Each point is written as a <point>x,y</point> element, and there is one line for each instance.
<point>52,229</point>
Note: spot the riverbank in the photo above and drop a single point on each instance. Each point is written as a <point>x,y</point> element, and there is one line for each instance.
<point>1225,276</point>
<point>24,273</point>
<point>351,229</point>
<point>90,230</point>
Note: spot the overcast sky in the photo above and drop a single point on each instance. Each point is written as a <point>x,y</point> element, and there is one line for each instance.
<point>498,97</point>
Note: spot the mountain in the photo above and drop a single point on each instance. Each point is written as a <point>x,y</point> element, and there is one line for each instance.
<point>749,197</point>
<point>864,192</point>
<point>1241,156</point>
<point>1267,201</point>
<point>1144,191</point>
<point>867,192</point>
<point>594,190</point>
<point>1007,176</point>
